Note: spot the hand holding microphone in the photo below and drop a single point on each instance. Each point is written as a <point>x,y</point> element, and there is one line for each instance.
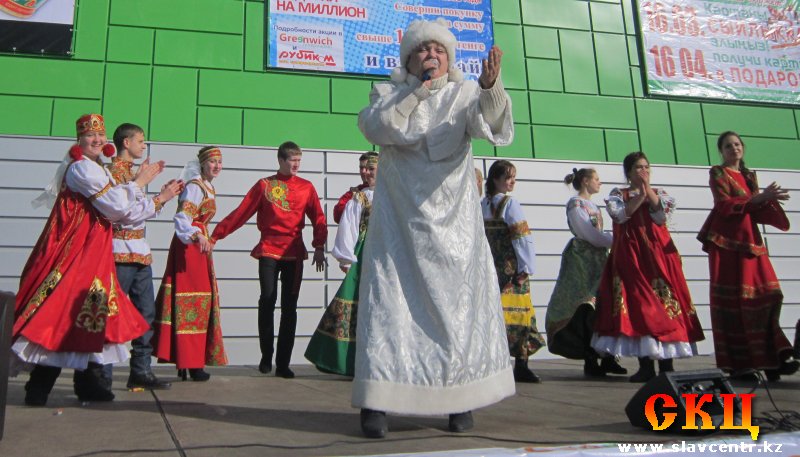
<point>428,73</point>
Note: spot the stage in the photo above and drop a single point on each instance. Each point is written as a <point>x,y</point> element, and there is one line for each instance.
<point>241,412</point>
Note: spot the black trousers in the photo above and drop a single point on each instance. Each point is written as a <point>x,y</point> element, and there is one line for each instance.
<point>291,275</point>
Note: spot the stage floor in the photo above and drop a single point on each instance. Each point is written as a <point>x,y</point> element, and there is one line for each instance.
<point>241,412</point>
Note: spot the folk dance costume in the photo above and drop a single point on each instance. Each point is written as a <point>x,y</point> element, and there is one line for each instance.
<point>332,346</point>
<point>746,297</point>
<point>431,336</point>
<point>70,311</point>
<point>570,312</point>
<point>133,258</point>
<point>338,209</point>
<point>282,203</point>
<point>187,330</point>
<point>643,305</point>
<point>511,243</point>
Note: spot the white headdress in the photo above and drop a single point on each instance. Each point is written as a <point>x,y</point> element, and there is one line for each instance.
<point>422,31</point>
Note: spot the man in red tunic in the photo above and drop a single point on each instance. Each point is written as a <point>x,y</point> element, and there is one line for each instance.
<point>282,202</point>
<point>362,171</point>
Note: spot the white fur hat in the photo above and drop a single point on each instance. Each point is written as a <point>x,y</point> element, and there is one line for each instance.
<point>421,31</point>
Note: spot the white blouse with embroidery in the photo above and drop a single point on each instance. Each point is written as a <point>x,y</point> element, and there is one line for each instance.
<point>347,235</point>
<point>615,205</point>
<point>585,221</point>
<point>193,194</point>
<point>513,216</point>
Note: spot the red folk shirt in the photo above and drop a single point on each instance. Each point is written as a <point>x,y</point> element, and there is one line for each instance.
<point>282,203</point>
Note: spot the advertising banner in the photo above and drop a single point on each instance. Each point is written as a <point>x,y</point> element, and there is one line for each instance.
<point>725,49</point>
<point>36,26</point>
<point>363,36</point>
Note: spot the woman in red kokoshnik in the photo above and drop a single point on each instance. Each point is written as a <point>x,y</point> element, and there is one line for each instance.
<point>746,297</point>
<point>70,311</point>
<point>187,329</point>
<point>643,305</point>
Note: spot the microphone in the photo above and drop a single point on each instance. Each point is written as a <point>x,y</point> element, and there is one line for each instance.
<point>426,75</point>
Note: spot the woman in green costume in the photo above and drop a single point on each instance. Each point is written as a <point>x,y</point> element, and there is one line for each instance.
<point>569,321</point>
<point>332,348</point>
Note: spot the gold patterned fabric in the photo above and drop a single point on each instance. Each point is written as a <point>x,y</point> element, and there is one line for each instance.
<point>123,234</point>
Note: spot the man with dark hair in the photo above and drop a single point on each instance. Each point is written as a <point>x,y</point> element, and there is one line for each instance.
<point>282,202</point>
<point>362,171</point>
<point>132,259</point>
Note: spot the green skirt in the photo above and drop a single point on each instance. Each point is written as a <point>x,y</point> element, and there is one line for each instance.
<point>332,348</point>
<point>570,313</point>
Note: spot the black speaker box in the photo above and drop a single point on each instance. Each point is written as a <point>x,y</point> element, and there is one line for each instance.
<point>675,384</point>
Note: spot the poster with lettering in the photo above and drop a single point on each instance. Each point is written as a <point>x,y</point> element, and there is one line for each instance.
<point>363,36</point>
<point>36,26</point>
<point>726,49</point>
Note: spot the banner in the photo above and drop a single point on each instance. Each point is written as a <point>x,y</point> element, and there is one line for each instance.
<point>363,36</point>
<point>726,49</point>
<point>36,26</point>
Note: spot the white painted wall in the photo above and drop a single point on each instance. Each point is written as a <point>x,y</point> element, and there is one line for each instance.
<point>28,163</point>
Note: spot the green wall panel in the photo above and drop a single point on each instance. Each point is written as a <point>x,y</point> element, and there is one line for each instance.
<point>520,109</point>
<point>509,39</point>
<point>573,143</point>
<point>507,12</point>
<point>582,110</point>
<point>224,16</point>
<point>254,37</point>
<point>629,12</point>
<point>91,29</point>
<point>349,96</point>
<point>541,42</point>
<point>764,153</point>
<point>607,17</point>
<point>130,45</point>
<point>50,77</point>
<point>174,115</point>
<point>482,148</point>
<point>127,95</point>
<point>265,90</point>
<point>308,130</point>
<point>612,68</point>
<point>219,125</point>
<point>521,147</point>
<point>197,49</point>
<point>545,75</point>
<point>750,120</point>
<point>688,133</point>
<point>577,62</point>
<point>655,133</point>
<point>568,14</point>
<point>67,111</point>
<point>620,143</point>
<point>26,115</point>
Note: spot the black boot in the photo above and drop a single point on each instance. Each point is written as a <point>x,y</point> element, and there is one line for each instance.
<point>665,366</point>
<point>609,364</point>
<point>591,369</point>
<point>461,422</point>
<point>373,423</point>
<point>524,374</point>
<point>40,384</point>
<point>199,374</point>
<point>88,384</point>
<point>647,370</point>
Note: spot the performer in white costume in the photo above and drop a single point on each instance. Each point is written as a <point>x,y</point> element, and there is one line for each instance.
<point>431,337</point>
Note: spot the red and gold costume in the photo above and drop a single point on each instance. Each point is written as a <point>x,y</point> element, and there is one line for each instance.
<point>187,328</point>
<point>70,309</point>
<point>346,197</point>
<point>282,203</point>
<point>746,297</point>
<point>643,304</point>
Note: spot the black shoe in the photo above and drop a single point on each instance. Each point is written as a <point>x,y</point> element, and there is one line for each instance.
<point>373,423</point>
<point>147,381</point>
<point>789,367</point>
<point>610,365</point>
<point>265,366</point>
<point>97,394</point>
<point>524,374</point>
<point>461,422</point>
<point>665,366</point>
<point>646,371</point>
<point>88,384</point>
<point>284,373</point>
<point>199,375</point>
<point>592,370</point>
<point>35,396</point>
<point>773,375</point>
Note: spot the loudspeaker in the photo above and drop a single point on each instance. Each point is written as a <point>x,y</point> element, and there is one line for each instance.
<point>675,384</point>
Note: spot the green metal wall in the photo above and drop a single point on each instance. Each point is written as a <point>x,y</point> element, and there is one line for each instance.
<point>192,71</point>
